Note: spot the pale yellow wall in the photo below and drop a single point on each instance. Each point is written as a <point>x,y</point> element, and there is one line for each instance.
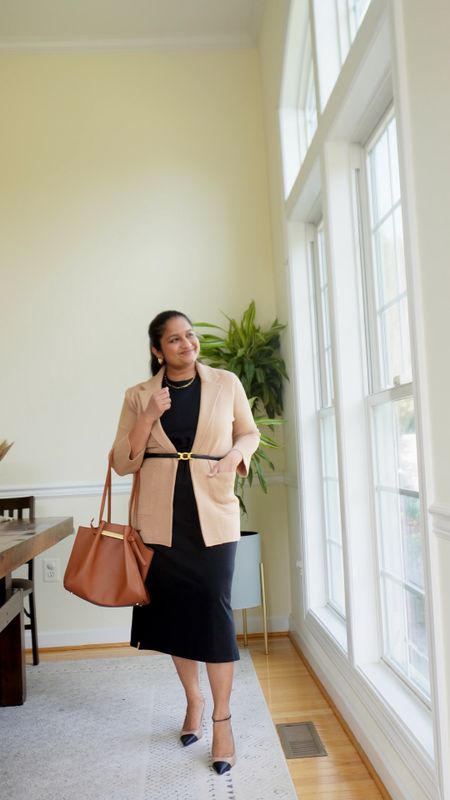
<point>131,182</point>
<point>271,48</point>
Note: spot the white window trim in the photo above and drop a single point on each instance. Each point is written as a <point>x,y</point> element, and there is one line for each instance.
<point>343,117</point>
<point>401,702</point>
<point>329,626</point>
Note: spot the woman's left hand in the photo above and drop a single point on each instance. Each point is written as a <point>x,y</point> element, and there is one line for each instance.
<point>228,463</point>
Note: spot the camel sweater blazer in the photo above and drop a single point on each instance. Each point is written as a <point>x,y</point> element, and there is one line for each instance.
<point>225,421</point>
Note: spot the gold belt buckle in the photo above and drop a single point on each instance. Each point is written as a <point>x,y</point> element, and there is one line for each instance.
<point>184,456</point>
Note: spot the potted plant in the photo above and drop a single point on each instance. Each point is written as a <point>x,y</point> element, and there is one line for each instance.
<point>253,354</point>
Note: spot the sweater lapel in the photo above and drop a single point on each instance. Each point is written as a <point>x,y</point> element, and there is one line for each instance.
<point>153,385</point>
<point>211,389</point>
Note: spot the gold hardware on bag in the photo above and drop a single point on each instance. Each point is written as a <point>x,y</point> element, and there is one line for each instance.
<point>184,456</point>
<point>112,535</point>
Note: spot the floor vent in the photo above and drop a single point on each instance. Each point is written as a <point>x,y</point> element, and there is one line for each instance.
<point>300,740</point>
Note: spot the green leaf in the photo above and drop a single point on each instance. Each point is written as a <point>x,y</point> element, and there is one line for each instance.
<point>253,354</point>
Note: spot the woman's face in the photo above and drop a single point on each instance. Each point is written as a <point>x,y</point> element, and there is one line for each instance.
<point>179,344</point>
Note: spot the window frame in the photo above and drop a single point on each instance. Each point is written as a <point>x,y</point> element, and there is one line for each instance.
<point>359,94</point>
<point>378,395</point>
<point>307,79</point>
<point>325,405</point>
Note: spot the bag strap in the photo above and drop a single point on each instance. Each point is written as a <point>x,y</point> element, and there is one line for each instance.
<point>134,497</point>
<point>107,494</point>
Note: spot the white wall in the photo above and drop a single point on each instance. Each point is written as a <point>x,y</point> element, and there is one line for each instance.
<point>131,182</point>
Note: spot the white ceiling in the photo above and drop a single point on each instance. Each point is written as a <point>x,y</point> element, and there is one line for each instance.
<point>38,24</point>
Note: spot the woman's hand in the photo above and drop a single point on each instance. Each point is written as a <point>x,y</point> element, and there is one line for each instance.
<point>228,463</point>
<point>158,404</point>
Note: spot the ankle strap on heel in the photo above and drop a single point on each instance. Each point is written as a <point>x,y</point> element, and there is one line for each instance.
<point>225,719</point>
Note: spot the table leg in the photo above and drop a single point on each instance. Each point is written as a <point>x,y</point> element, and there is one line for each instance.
<point>12,646</point>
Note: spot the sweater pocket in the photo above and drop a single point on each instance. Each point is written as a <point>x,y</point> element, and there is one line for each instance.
<point>221,487</point>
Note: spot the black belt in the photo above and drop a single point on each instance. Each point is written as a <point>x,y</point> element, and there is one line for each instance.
<point>182,456</point>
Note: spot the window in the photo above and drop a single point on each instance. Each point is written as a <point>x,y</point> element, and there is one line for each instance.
<point>363,594</point>
<point>392,415</point>
<point>298,107</point>
<point>393,360</point>
<point>308,104</point>
<point>336,23</point>
<point>349,15</point>
<point>400,546</point>
<point>333,550</point>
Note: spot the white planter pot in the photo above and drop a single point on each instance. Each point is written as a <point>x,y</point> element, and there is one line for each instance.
<point>246,589</point>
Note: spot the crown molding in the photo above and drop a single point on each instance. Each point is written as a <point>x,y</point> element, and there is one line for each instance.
<point>159,43</point>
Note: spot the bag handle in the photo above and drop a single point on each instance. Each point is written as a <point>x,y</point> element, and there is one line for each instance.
<point>107,494</point>
<point>134,497</point>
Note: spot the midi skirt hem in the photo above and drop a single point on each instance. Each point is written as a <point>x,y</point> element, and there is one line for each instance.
<point>190,655</point>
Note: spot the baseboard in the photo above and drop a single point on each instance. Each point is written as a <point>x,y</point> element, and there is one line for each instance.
<point>118,635</point>
<point>113,645</point>
<point>76,648</point>
<point>77,638</point>
<point>270,635</point>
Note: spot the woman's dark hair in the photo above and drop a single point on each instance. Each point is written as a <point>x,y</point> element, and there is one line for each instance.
<point>155,332</point>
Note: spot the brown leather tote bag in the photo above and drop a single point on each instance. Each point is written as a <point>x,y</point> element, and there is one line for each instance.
<point>108,564</point>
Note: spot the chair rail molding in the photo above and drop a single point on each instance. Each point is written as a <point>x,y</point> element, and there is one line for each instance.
<point>440,518</point>
<point>63,489</point>
<point>85,489</point>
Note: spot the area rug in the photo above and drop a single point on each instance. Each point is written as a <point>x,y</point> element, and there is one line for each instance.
<point>107,729</point>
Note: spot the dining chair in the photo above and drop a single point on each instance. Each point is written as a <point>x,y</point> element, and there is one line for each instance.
<point>14,507</point>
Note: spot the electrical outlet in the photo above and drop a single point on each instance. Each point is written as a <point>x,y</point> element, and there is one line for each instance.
<point>51,570</point>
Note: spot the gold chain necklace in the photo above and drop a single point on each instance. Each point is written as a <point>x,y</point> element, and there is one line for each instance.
<point>185,385</point>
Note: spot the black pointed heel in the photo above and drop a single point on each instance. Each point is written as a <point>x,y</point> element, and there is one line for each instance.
<point>192,736</point>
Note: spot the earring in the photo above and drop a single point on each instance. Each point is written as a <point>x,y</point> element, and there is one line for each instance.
<point>160,360</point>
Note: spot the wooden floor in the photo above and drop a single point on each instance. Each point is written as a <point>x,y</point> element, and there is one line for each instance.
<point>292,696</point>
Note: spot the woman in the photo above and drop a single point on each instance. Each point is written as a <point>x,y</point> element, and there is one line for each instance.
<point>189,429</point>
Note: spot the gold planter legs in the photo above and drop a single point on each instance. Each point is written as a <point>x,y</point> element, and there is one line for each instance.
<point>263,595</point>
<point>264,608</point>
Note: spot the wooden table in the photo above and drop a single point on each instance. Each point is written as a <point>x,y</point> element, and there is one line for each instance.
<point>20,541</point>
